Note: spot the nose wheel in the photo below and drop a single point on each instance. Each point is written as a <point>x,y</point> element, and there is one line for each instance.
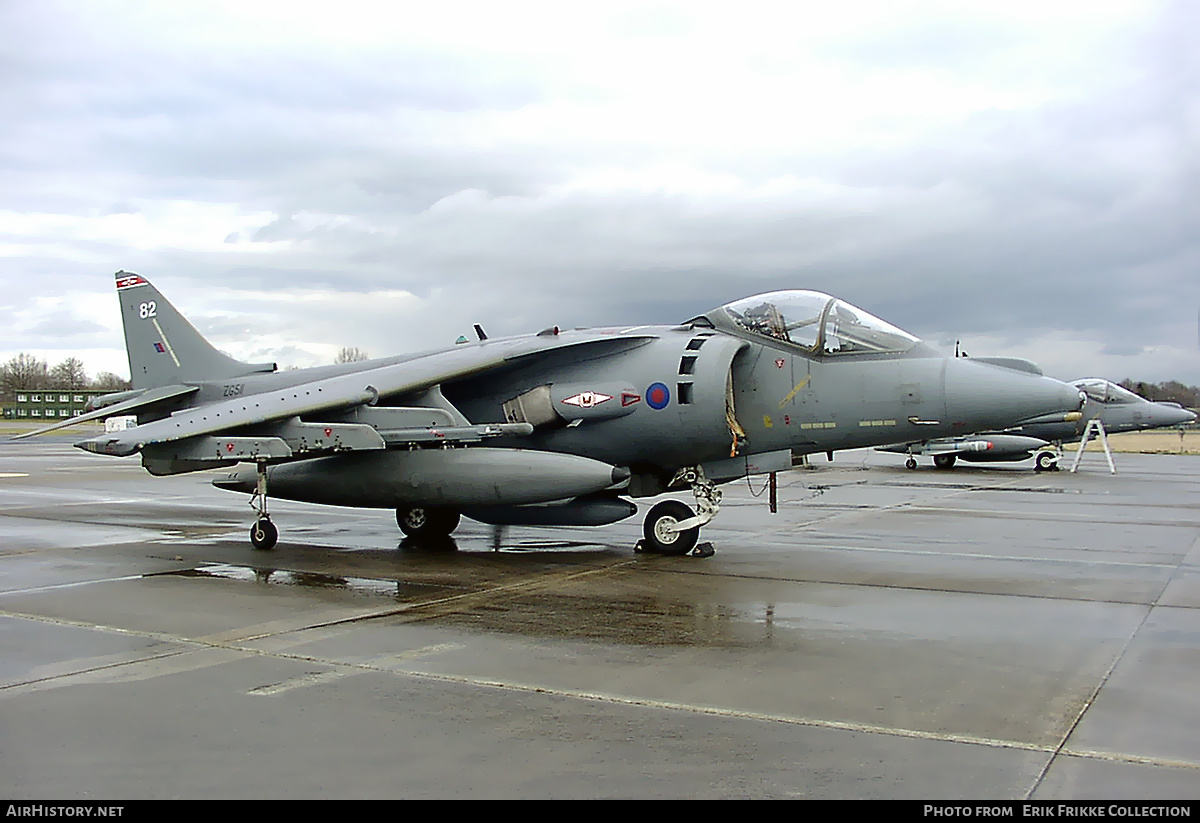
<point>661,529</point>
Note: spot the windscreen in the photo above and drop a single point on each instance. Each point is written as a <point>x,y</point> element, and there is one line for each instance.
<point>816,322</point>
<point>1103,391</point>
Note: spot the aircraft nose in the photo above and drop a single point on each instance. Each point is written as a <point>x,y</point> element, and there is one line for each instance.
<point>986,396</point>
<point>1178,416</point>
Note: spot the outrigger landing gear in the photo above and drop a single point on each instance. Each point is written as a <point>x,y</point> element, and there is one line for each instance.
<point>263,534</point>
<point>672,527</point>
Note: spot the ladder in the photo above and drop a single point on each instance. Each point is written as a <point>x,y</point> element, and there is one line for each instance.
<point>1094,427</point>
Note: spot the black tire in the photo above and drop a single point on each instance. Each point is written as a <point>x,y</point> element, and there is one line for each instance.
<point>264,535</point>
<point>1044,461</point>
<point>910,463</point>
<point>661,541</point>
<point>427,521</point>
<point>944,461</point>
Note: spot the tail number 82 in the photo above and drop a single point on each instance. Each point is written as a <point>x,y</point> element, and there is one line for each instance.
<point>148,310</point>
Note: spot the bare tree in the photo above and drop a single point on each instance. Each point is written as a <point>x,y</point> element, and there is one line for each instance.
<point>108,381</point>
<point>69,374</point>
<point>1172,390</point>
<point>351,355</point>
<point>24,372</point>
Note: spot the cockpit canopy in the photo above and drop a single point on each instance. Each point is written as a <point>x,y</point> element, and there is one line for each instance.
<point>1102,391</point>
<point>812,321</point>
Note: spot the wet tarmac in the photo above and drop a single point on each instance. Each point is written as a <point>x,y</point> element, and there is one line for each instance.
<point>981,633</point>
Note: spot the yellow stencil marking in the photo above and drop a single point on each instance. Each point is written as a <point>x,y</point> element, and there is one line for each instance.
<point>792,393</point>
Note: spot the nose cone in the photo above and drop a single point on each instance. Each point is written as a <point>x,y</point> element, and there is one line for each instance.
<point>982,396</point>
<point>1172,414</point>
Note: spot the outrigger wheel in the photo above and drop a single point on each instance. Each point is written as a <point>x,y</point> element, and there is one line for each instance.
<point>658,529</point>
<point>263,534</point>
<point>422,521</point>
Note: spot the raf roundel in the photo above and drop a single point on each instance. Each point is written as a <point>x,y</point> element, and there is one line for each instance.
<point>658,396</point>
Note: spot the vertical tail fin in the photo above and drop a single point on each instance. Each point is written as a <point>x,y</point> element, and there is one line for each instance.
<point>164,349</point>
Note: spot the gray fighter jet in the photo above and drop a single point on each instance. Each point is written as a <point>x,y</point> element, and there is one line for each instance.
<point>562,427</point>
<point>1120,410</point>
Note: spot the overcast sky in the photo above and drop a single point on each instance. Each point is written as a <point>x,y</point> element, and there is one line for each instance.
<point>298,177</point>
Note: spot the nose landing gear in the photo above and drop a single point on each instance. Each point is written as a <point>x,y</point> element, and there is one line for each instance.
<point>671,527</point>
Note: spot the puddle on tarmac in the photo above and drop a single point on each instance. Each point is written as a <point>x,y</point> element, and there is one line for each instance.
<point>627,612</point>
<point>399,589</point>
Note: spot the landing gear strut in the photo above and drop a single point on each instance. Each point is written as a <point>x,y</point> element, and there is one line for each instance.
<point>263,534</point>
<point>672,527</point>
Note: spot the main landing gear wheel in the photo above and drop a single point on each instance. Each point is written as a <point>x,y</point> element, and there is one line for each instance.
<point>943,461</point>
<point>661,538</point>
<point>1045,462</point>
<point>427,521</point>
<point>263,534</point>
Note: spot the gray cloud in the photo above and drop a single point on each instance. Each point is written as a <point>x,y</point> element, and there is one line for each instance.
<point>496,191</point>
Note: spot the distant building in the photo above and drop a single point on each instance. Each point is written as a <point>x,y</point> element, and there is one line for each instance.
<point>48,404</point>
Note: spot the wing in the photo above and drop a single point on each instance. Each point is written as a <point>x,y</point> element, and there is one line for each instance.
<point>212,432</point>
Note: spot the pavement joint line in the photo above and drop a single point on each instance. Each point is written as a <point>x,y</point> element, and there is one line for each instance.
<point>598,697</point>
<point>977,555</point>
<point>1117,658</point>
<point>1087,704</point>
<point>55,505</point>
<point>1141,759</point>
<point>714,711</point>
<point>56,586</point>
<point>551,579</point>
<point>868,585</point>
<point>91,669</point>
